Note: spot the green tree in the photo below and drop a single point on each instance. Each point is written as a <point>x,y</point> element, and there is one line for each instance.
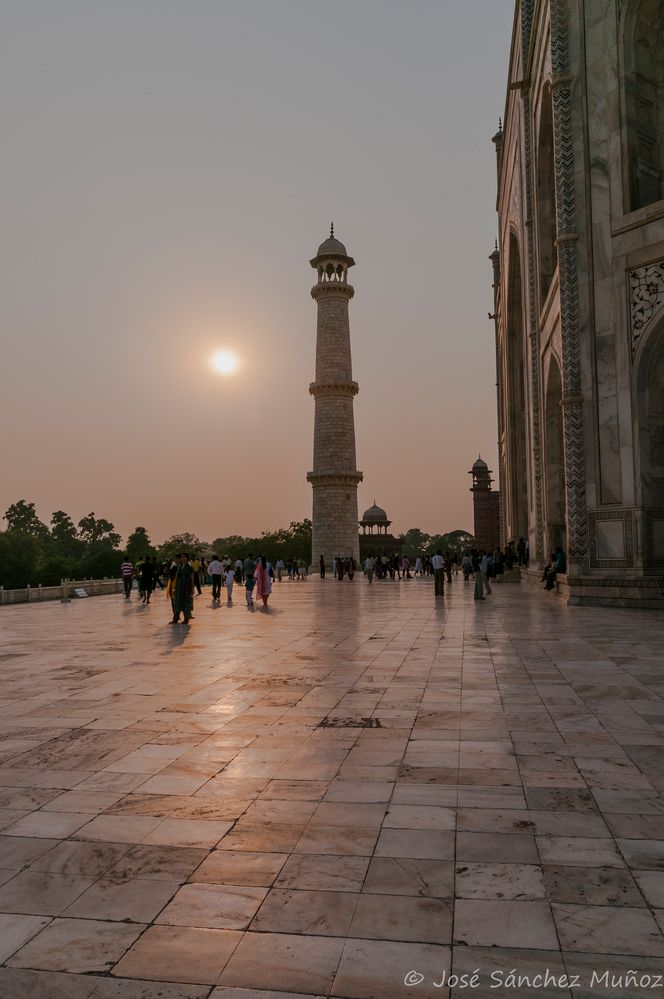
<point>185,542</point>
<point>18,559</point>
<point>95,530</point>
<point>139,544</point>
<point>64,541</point>
<point>21,517</point>
<point>414,541</point>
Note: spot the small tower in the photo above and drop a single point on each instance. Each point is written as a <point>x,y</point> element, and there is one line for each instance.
<point>334,477</point>
<point>486,507</point>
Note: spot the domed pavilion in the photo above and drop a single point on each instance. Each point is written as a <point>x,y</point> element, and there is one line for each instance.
<point>375,538</point>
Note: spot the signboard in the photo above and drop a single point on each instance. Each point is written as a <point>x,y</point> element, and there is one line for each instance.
<point>80,592</point>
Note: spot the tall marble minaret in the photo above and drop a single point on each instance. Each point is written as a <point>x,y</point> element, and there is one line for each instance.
<point>334,477</point>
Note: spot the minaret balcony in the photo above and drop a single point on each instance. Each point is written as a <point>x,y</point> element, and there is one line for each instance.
<point>334,478</point>
<point>332,288</point>
<point>318,389</point>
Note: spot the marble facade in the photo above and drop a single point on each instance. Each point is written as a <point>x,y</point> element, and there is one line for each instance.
<point>579,294</point>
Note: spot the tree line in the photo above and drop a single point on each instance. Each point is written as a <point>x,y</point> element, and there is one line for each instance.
<point>32,552</point>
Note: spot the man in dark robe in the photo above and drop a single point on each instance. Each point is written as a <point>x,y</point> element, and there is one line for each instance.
<point>183,599</point>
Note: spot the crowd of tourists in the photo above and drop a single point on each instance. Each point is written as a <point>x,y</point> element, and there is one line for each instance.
<point>184,576</point>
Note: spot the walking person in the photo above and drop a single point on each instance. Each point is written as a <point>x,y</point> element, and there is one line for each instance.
<point>485,570</point>
<point>438,563</point>
<point>248,571</point>
<point>369,564</point>
<point>321,562</point>
<point>196,568</point>
<point>216,571</point>
<point>263,580</point>
<point>183,599</point>
<point>127,573</point>
<point>230,579</point>
<point>280,569</point>
<point>147,579</point>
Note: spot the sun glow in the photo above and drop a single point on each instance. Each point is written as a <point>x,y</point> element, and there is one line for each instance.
<point>224,362</point>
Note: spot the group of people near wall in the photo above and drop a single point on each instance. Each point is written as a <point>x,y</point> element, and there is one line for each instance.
<point>184,576</point>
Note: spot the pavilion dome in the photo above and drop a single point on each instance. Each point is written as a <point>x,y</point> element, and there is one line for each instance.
<point>374,515</point>
<point>480,466</point>
<point>332,247</point>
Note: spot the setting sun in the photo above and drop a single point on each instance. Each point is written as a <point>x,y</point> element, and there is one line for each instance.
<point>224,362</point>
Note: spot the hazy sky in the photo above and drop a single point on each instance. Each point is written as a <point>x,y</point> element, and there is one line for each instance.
<point>168,170</point>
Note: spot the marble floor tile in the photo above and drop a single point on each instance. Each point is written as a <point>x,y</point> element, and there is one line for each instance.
<point>284,962</point>
<point>77,945</point>
<point>403,876</point>
<point>41,894</point>
<point>21,984</point>
<point>316,872</point>
<point>322,913</point>
<point>179,954</point>
<point>78,859</point>
<point>647,854</point>
<point>591,886</point>
<point>221,907</point>
<point>378,969</point>
<point>651,884</point>
<point>492,923</point>
<point>607,929</point>
<point>522,882</point>
<point>156,863</point>
<point>137,901</point>
<point>419,817</point>
<point>426,844</point>
<point>17,852</point>
<point>496,965</point>
<point>579,851</point>
<point>118,828</point>
<point>402,917</point>
<point>50,825</point>
<point>16,930</point>
<point>496,848</point>
<point>187,833</point>
<point>338,840</point>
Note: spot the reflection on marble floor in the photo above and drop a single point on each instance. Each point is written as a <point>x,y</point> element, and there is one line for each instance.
<point>176,822</point>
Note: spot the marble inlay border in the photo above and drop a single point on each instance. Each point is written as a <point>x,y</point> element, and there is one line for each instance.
<point>627,519</point>
<point>646,295</point>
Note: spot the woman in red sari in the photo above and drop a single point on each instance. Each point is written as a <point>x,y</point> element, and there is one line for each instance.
<point>263,579</point>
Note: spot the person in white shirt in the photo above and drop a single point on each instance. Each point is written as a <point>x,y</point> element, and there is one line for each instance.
<point>215,570</point>
<point>230,579</point>
<point>369,564</point>
<point>438,563</point>
<point>280,568</point>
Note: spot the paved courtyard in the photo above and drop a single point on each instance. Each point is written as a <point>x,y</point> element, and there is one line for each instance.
<point>356,790</point>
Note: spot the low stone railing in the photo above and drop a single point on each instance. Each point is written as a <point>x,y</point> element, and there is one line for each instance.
<point>66,591</point>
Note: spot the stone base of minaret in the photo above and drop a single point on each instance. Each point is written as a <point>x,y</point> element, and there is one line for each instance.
<point>334,517</point>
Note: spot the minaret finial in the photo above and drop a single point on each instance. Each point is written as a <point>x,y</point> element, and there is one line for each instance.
<point>331,230</point>
<point>500,124</point>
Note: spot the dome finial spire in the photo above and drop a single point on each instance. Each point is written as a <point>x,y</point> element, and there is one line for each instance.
<point>331,230</point>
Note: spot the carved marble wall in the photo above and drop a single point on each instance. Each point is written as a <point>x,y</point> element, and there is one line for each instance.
<point>601,313</point>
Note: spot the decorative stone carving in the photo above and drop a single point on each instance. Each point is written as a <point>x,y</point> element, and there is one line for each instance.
<point>533,330</point>
<point>577,530</point>
<point>646,295</point>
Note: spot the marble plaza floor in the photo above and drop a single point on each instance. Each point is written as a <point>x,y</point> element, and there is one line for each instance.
<point>348,796</point>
